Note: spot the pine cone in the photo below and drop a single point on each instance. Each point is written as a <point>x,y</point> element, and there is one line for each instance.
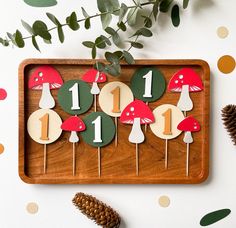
<point>229,120</point>
<point>96,210</point>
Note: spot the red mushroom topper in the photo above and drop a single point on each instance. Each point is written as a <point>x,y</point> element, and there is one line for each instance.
<point>185,81</point>
<point>45,78</point>
<point>73,124</point>
<point>137,113</point>
<point>94,76</point>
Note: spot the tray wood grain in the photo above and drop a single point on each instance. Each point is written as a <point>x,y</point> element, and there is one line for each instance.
<point>118,164</point>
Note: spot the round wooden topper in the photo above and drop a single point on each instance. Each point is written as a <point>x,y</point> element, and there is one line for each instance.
<point>158,84</point>
<point>35,126</point>
<point>107,129</point>
<point>114,97</point>
<point>158,127</point>
<point>81,95</point>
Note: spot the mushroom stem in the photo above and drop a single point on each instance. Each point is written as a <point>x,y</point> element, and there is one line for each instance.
<point>185,103</point>
<point>46,100</point>
<point>136,135</point>
<point>73,137</point>
<point>95,89</point>
<point>188,137</point>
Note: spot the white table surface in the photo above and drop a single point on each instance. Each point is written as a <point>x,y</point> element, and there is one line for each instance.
<point>137,204</point>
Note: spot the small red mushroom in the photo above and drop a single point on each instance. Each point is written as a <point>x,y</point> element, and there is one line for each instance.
<point>185,81</point>
<point>73,124</point>
<point>188,125</point>
<point>45,78</point>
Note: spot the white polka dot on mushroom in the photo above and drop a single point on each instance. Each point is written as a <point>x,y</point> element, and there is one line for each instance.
<point>132,109</point>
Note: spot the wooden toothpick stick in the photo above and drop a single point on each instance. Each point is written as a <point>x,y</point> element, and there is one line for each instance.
<point>166,154</point>
<point>99,161</point>
<point>45,159</point>
<point>73,158</point>
<point>145,127</point>
<point>95,103</point>
<point>116,137</point>
<point>187,161</point>
<point>137,160</point>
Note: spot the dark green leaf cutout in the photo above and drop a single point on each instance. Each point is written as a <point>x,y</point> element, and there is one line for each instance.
<point>19,39</point>
<point>41,3</point>
<point>128,57</point>
<point>72,21</point>
<point>214,217</point>
<point>40,28</point>
<point>175,16</point>
<point>165,5</point>
<point>34,42</point>
<point>185,3</point>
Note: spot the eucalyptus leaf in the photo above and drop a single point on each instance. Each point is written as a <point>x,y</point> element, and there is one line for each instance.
<point>47,41</point>
<point>60,34</point>
<point>88,44</point>
<point>111,57</point>
<point>12,38</point>
<point>19,39</point>
<point>35,44</point>
<point>40,28</point>
<point>27,27</point>
<point>123,11</point>
<point>53,19</point>
<point>4,42</point>
<point>128,57</point>
<point>94,52</point>
<point>185,4</point>
<point>100,43</point>
<point>41,3</point>
<point>99,66</point>
<point>175,15</point>
<point>136,44</point>
<point>84,12</point>
<point>106,40</point>
<point>165,5</point>
<point>116,39</point>
<point>106,20</point>
<point>143,32</point>
<point>72,21</point>
<point>147,22</point>
<point>87,23</point>
<point>110,30</point>
<point>111,70</point>
<point>132,16</point>
<point>108,5</point>
<point>155,9</point>
<point>122,26</point>
<point>119,54</point>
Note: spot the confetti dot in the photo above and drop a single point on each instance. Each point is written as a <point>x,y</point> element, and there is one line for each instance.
<point>1,148</point>
<point>3,94</point>
<point>164,201</point>
<point>226,64</point>
<point>32,208</point>
<point>222,32</point>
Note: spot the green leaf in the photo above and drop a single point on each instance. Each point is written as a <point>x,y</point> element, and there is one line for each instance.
<point>40,28</point>
<point>47,41</point>
<point>4,42</point>
<point>123,11</point>
<point>132,16</point>
<point>112,70</point>
<point>136,44</point>
<point>12,38</point>
<point>116,39</point>
<point>72,21</point>
<point>128,57</point>
<point>143,32</point>
<point>41,3</point>
<point>175,15</point>
<point>111,57</point>
<point>147,22</point>
<point>155,9</point>
<point>122,26</point>
<point>119,54</point>
<point>107,5</point>
<point>34,42</point>
<point>19,39</point>
<point>53,19</point>
<point>100,43</point>
<point>106,20</point>
<point>185,4</point>
<point>88,44</point>
<point>110,30</point>
<point>60,34</point>
<point>84,12</point>
<point>27,27</point>
<point>165,5</point>
<point>106,40</point>
<point>94,52</point>
<point>87,24</point>
<point>214,217</point>
<point>99,66</point>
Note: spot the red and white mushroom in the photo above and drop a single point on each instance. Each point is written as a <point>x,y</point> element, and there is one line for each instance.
<point>185,81</point>
<point>94,76</point>
<point>137,113</point>
<point>188,125</point>
<point>73,124</point>
<point>45,78</point>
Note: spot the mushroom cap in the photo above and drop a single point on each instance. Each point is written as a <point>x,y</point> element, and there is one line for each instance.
<point>73,123</point>
<point>189,124</point>
<point>137,109</point>
<point>45,74</point>
<point>185,76</point>
<point>91,76</point>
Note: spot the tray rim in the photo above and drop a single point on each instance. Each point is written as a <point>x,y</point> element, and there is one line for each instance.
<point>131,180</point>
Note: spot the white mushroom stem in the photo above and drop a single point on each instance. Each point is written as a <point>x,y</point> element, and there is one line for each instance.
<point>73,137</point>
<point>188,137</point>
<point>136,134</point>
<point>95,89</point>
<point>185,103</point>
<point>46,100</point>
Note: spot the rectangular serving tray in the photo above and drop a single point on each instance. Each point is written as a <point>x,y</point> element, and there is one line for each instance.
<point>118,163</point>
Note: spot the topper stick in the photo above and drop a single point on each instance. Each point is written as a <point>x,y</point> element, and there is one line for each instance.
<point>166,155</point>
<point>145,127</point>
<point>95,102</point>
<point>45,158</point>
<point>137,160</point>
<point>73,145</point>
<point>185,113</point>
<point>116,136</point>
<point>187,161</point>
<point>99,161</point>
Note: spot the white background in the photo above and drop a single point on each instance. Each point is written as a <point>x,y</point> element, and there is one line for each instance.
<point>137,204</point>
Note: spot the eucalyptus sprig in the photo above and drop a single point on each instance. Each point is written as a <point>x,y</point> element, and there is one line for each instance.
<point>126,16</point>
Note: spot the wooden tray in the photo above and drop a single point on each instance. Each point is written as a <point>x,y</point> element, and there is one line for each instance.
<point>118,164</point>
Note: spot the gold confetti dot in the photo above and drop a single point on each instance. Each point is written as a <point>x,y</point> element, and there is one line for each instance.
<point>226,64</point>
<point>1,148</point>
<point>164,201</point>
<point>32,208</point>
<point>222,32</point>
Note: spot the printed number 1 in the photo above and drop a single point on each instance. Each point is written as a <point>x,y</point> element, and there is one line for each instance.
<point>97,129</point>
<point>116,100</point>
<point>44,127</point>
<point>75,96</point>
<point>167,128</point>
<point>148,84</point>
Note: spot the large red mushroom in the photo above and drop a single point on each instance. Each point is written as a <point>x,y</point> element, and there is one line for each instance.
<point>45,78</point>
<point>184,81</point>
